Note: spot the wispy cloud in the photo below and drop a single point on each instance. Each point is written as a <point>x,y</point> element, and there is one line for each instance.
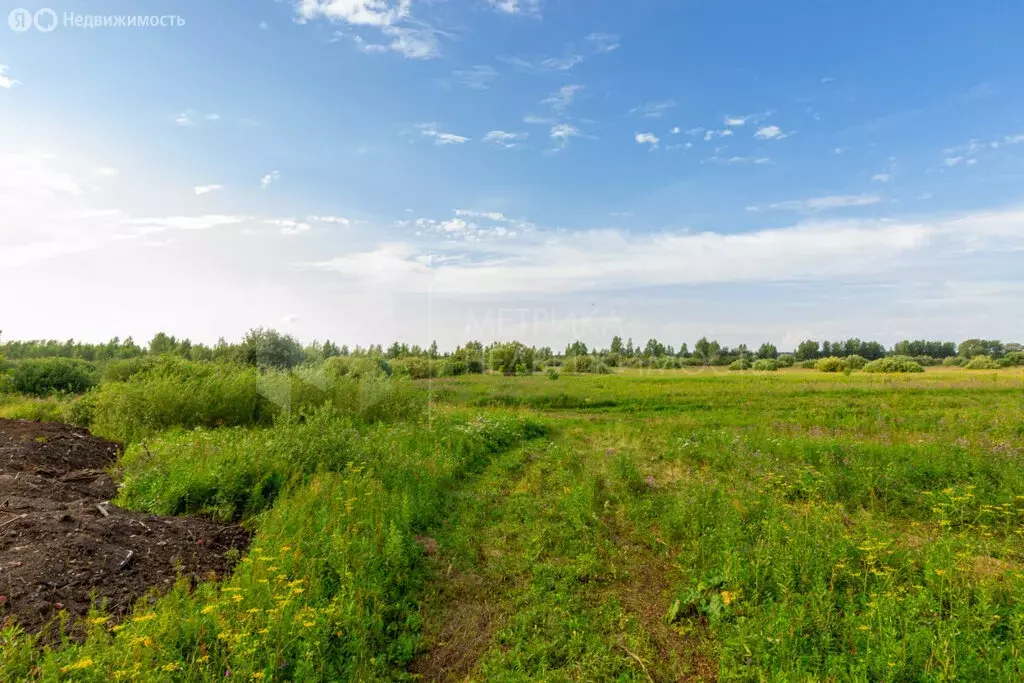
<point>523,7</point>
<point>270,178</point>
<point>289,226</point>
<point>6,82</point>
<point>337,220</point>
<point>430,130</point>
<point>653,110</point>
<point>207,189</point>
<point>542,64</point>
<point>816,204</point>
<point>560,100</point>
<point>647,139</point>
<point>563,133</point>
<point>475,78</point>
<point>191,117</point>
<point>604,42</point>
<point>504,139</point>
<point>356,12</point>
<point>771,133</point>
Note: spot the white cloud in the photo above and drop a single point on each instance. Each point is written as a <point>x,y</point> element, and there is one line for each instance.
<point>190,117</point>
<point>270,178</point>
<point>6,82</point>
<point>816,204</point>
<point>676,130</point>
<point>440,138</point>
<point>736,120</point>
<point>338,220</point>
<point>647,139</point>
<point>544,63</point>
<point>529,7</point>
<point>841,150</point>
<point>953,161</point>
<point>356,12</point>
<point>1015,139</point>
<point>500,138</point>
<point>604,42</point>
<point>539,120</point>
<point>562,133</point>
<point>263,26</point>
<point>106,172</point>
<point>475,78</point>
<point>560,100</point>
<point>609,259</point>
<point>882,177</point>
<point>653,110</point>
<point>206,189</point>
<point>771,133</point>
<point>289,226</point>
<point>414,43</point>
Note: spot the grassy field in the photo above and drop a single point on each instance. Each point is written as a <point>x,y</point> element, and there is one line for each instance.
<point>678,525</point>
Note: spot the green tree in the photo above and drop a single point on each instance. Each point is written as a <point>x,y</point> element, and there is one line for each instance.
<point>707,351</point>
<point>767,351</point>
<point>270,349</point>
<point>808,350</point>
<point>616,346</point>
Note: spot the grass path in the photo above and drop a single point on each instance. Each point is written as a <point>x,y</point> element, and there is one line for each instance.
<point>535,578</point>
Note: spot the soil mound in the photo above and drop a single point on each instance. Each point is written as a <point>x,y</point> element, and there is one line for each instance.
<point>64,547</point>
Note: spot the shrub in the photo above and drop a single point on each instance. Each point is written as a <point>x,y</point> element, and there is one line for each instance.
<point>452,367</point>
<point>512,358</point>
<point>356,367</point>
<point>45,376</point>
<point>982,363</point>
<point>124,370</point>
<point>766,365</point>
<point>807,364</point>
<point>552,373</point>
<point>1012,359</point>
<point>894,364</point>
<point>414,368</point>
<point>690,362</point>
<point>855,362</point>
<point>741,364</point>
<point>584,364</point>
<point>786,360</point>
<point>830,364</point>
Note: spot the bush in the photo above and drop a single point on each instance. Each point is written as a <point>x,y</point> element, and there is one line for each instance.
<point>830,364</point>
<point>414,368</point>
<point>690,362</point>
<point>786,360</point>
<point>982,363</point>
<point>552,373</point>
<point>894,364</point>
<point>741,364</point>
<point>766,365</point>
<point>807,364</point>
<point>452,367</point>
<point>45,376</point>
<point>271,349</point>
<point>855,362</point>
<point>1012,359</point>
<point>356,367</point>
<point>590,364</point>
<point>513,358</point>
<point>124,370</point>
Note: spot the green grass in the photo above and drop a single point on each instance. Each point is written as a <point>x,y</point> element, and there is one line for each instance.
<point>781,526</point>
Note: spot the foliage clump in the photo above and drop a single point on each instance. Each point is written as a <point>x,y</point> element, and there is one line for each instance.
<point>46,376</point>
<point>892,364</point>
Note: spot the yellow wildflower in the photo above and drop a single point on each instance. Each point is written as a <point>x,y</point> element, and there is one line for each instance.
<point>80,664</point>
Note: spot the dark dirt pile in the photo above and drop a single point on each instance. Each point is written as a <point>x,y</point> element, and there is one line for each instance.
<point>63,546</point>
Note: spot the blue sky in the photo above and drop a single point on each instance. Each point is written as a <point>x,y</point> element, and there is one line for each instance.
<point>366,170</point>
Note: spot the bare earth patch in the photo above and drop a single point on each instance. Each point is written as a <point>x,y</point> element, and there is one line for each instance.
<point>65,549</point>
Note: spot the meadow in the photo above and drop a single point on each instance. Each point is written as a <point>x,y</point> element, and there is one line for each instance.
<point>643,525</point>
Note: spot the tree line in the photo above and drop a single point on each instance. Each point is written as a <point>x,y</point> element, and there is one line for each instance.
<point>270,348</point>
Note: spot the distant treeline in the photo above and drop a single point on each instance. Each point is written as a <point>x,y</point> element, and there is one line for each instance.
<point>270,348</point>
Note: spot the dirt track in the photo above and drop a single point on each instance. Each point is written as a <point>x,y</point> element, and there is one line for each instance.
<point>62,546</point>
